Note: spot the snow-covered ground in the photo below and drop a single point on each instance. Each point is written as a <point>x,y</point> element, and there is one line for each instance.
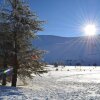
<point>68,83</point>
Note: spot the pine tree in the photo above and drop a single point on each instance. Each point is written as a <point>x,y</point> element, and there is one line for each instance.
<point>23,28</point>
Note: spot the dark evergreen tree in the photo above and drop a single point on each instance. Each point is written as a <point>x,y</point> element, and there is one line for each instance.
<point>23,26</point>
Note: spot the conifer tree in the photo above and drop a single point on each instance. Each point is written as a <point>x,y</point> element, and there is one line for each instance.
<point>23,28</point>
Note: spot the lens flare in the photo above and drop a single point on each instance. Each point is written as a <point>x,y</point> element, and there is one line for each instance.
<point>90,29</point>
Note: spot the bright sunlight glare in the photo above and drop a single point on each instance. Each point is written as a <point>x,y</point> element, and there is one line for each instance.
<point>90,29</point>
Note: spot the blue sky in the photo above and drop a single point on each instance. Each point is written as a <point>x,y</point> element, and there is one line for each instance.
<point>66,17</point>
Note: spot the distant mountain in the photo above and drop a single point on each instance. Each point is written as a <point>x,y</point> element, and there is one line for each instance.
<point>70,50</point>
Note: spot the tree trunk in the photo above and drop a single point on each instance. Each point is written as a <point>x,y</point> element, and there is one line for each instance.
<point>15,70</point>
<point>16,65</point>
<point>4,79</point>
<point>4,68</point>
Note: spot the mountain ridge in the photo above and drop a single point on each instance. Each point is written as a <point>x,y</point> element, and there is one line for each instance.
<point>83,50</point>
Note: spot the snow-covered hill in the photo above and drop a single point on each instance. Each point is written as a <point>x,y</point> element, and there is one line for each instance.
<point>70,50</point>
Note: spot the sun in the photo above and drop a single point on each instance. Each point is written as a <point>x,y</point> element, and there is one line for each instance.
<point>90,29</point>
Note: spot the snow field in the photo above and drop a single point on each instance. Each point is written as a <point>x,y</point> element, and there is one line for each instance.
<point>68,83</point>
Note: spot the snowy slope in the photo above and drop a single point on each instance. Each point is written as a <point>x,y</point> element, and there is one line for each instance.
<point>80,83</point>
<point>68,50</point>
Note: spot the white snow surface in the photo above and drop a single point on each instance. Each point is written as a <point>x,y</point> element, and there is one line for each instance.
<point>68,83</point>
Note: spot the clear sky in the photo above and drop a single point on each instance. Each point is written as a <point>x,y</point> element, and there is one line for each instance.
<point>66,17</point>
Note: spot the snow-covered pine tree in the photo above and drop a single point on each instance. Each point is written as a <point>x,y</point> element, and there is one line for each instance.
<point>23,25</point>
